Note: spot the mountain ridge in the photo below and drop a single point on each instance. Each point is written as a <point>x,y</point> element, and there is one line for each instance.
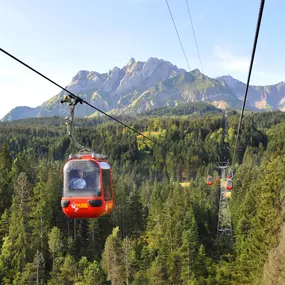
<point>267,97</point>
<point>140,86</point>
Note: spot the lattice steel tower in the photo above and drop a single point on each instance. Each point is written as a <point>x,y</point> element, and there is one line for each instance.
<point>224,216</point>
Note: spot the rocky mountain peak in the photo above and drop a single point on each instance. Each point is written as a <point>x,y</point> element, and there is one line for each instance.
<point>196,71</point>
<point>281,84</point>
<point>229,80</point>
<point>131,61</point>
<point>140,86</point>
<point>80,75</point>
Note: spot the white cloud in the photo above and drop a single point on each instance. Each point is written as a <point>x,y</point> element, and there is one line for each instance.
<point>226,62</point>
<point>229,62</point>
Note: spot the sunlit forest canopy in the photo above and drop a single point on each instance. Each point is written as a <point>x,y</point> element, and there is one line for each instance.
<point>163,229</point>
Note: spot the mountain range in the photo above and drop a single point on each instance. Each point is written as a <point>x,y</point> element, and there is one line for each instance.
<point>144,86</point>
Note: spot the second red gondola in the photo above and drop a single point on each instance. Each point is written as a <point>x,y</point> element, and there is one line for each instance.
<point>210,180</point>
<point>229,184</point>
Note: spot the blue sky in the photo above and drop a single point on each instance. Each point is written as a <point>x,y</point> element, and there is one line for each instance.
<point>59,38</point>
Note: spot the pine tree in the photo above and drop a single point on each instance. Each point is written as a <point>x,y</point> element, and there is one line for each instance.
<point>55,242</point>
<point>16,249</point>
<point>112,259</point>
<point>93,275</point>
<point>4,226</point>
<point>64,271</point>
<point>46,201</point>
<point>33,272</point>
<point>189,247</point>
<point>5,178</point>
<point>156,273</point>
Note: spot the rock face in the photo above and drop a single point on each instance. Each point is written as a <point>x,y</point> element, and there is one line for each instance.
<point>144,86</point>
<point>21,113</point>
<point>271,97</point>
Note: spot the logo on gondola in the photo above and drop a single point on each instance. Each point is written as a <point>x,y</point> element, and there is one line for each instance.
<point>73,205</point>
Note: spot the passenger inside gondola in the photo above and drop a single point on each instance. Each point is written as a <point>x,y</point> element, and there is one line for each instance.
<point>78,182</point>
<point>82,178</point>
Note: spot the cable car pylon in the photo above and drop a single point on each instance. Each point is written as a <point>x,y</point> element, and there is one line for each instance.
<point>224,215</point>
<point>224,226</point>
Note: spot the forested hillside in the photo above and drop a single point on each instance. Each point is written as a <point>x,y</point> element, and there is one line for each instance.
<point>164,224</point>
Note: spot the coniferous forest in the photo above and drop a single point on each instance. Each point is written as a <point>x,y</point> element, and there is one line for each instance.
<point>163,229</point>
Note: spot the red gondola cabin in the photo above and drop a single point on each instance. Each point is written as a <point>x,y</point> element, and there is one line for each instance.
<point>229,184</point>
<point>230,175</point>
<point>218,178</point>
<point>87,187</point>
<point>210,180</point>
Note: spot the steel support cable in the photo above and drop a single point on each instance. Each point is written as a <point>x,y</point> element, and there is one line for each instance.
<point>194,34</point>
<point>80,100</point>
<point>249,75</point>
<point>177,33</point>
<point>182,47</point>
